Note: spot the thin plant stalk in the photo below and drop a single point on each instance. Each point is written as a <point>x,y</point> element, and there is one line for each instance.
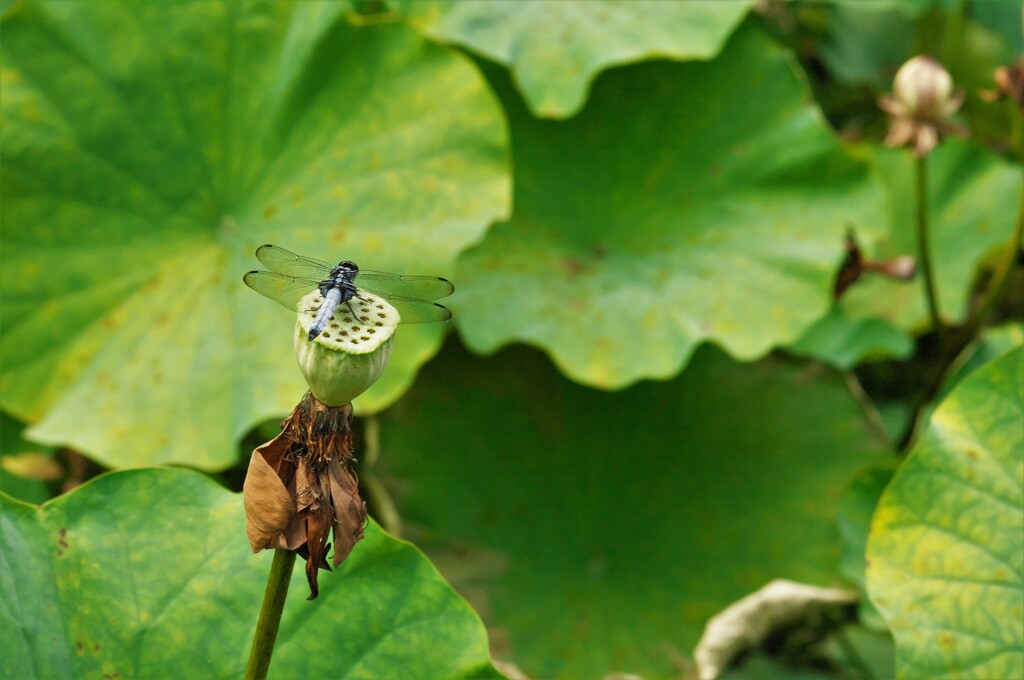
<point>923,243</point>
<point>270,614</point>
<point>990,299</point>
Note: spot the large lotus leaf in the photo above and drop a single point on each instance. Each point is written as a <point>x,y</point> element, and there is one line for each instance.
<point>973,199</point>
<point>686,202</point>
<point>150,147</point>
<point>598,531</point>
<point>556,47</point>
<point>148,574</point>
<point>946,549</point>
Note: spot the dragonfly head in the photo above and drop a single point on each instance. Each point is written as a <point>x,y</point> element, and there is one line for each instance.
<point>348,265</point>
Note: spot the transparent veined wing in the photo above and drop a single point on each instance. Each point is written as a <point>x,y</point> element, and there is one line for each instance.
<point>293,276</point>
<point>418,311</point>
<point>360,310</point>
<point>288,263</point>
<point>286,290</point>
<point>401,286</point>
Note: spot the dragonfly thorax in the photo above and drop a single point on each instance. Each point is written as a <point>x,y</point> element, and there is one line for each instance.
<point>342,277</point>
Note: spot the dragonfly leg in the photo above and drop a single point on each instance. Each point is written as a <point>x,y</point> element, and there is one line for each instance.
<point>354,315</point>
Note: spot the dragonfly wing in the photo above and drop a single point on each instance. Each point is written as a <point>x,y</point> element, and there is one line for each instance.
<point>288,263</point>
<point>287,290</point>
<point>420,287</point>
<point>418,311</point>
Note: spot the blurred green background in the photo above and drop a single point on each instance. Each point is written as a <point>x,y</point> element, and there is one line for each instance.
<point>649,402</point>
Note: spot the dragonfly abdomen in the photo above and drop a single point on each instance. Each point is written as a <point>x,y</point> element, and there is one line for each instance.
<point>331,301</point>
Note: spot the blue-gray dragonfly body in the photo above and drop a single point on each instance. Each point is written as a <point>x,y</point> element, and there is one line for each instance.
<point>291,277</point>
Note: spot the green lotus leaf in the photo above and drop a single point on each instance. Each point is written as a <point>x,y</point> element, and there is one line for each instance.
<point>853,517</point>
<point>867,42</point>
<point>843,342</point>
<point>597,532</point>
<point>762,667</point>
<point>688,202</point>
<point>148,574</point>
<point>1002,18</point>
<point>946,549</point>
<point>973,201</point>
<point>149,148</point>
<point>992,343</point>
<point>27,470</point>
<point>556,48</point>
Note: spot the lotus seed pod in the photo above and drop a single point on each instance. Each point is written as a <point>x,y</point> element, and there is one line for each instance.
<point>350,354</point>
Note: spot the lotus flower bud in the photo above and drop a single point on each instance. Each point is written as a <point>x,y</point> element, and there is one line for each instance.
<point>922,100</point>
<point>925,88</point>
<point>350,354</point>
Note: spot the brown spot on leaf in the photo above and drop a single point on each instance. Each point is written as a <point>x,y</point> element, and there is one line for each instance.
<point>573,267</point>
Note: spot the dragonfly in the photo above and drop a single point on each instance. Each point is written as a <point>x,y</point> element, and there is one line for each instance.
<point>292,277</point>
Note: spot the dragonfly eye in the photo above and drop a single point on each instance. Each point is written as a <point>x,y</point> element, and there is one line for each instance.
<point>349,265</point>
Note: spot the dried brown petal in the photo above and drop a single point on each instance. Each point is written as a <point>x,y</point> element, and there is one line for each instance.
<point>300,488</point>
<point>349,510</point>
<point>269,506</point>
<point>926,138</point>
<point>901,131</point>
<point>1009,84</point>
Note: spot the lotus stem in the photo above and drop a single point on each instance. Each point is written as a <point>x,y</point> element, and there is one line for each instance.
<point>270,614</point>
<point>922,243</point>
